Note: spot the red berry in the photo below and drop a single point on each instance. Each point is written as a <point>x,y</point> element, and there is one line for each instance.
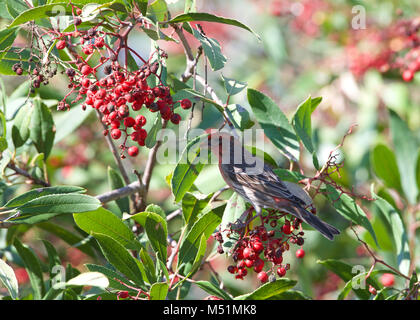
<point>61,44</point>
<point>249,263</point>
<point>242,272</point>
<point>387,279</point>
<point>133,151</point>
<point>123,294</point>
<point>176,118</point>
<point>262,276</point>
<point>129,122</point>
<point>249,253</point>
<point>140,120</point>
<point>286,229</point>
<point>241,264</point>
<point>115,133</point>
<point>278,260</point>
<point>281,271</point>
<point>258,246</point>
<point>86,83</point>
<point>408,75</point>
<point>185,104</point>
<point>300,253</point>
<point>86,70</point>
<point>258,265</point>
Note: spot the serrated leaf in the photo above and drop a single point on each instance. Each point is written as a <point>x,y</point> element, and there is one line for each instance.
<point>212,50</point>
<point>201,16</point>
<point>156,230</point>
<point>233,86</point>
<point>239,117</point>
<point>39,192</point>
<point>234,209</point>
<point>348,208</point>
<point>192,206</point>
<point>105,222</point>
<point>159,10</point>
<point>302,121</point>
<point>45,11</point>
<point>110,274</point>
<point>119,257</point>
<point>269,290</point>
<point>187,169</point>
<point>92,279</point>
<point>149,266</point>
<point>287,175</point>
<point>212,289</point>
<point>189,248</point>
<point>274,123</point>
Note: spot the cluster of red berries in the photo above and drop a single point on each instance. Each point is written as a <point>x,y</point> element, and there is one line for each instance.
<point>395,48</point>
<point>262,245</point>
<point>116,91</point>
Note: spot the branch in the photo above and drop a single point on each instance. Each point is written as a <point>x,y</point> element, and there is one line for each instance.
<point>26,174</point>
<point>121,192</point>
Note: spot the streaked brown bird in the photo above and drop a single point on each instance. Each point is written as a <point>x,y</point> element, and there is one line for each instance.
<point>256,182</point>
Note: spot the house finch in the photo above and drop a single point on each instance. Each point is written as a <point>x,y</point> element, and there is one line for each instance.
<point>256,182</point>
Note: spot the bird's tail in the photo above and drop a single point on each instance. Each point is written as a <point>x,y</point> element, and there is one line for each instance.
<point>326,229</point>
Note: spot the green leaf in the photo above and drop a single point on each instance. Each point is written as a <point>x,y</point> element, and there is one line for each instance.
<point>39,192</point>
<point>189,248</point>
<point>212,50</point>
<point>204,99</point>
<point>405,146</point>
<point>14,7</point>
<point>347,273</point>
<point>290,295</point>
<point>53,258</point>
<point>190,6</point>
<point>149,266</point>
<point>105,222</point>
<point>268,290</point>
<point>262,155</point>
<point>302,121</point>
<point>287,175</point>
<point>68,237</point>
<point>91,279</point>
<point>234,209</point>
<point>12,56</point>
<point>187,169</point>
<point>212,289</point>
<point>192,206</point>
<point>33,267</point>
<point>156,209</point>
<point>233,86</point>
<point>42,128</point>
<point>68,121</point>
<point>8,278</point>
<point>142,5</point>
<point>201,16</point>
<point>385,166</point>
<point>156,230</point>
<point>60,203</point>
<point>159,10</point>
<point>119,257</point>
<point>7,37</point>
<point>40,12</point>
<point>159,291</point>
<point>115,181</point>
<point>274,123</point>
<point>348,208</point>
<point>110,274</point>
<point>399,234</point>
<point>239,116</point>
<point>152,134</point>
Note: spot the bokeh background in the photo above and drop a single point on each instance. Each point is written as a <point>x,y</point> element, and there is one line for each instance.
<point>307,48</point>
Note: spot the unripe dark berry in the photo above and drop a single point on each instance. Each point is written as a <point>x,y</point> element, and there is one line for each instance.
<point>175,118</point>
<point>231,269</point>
